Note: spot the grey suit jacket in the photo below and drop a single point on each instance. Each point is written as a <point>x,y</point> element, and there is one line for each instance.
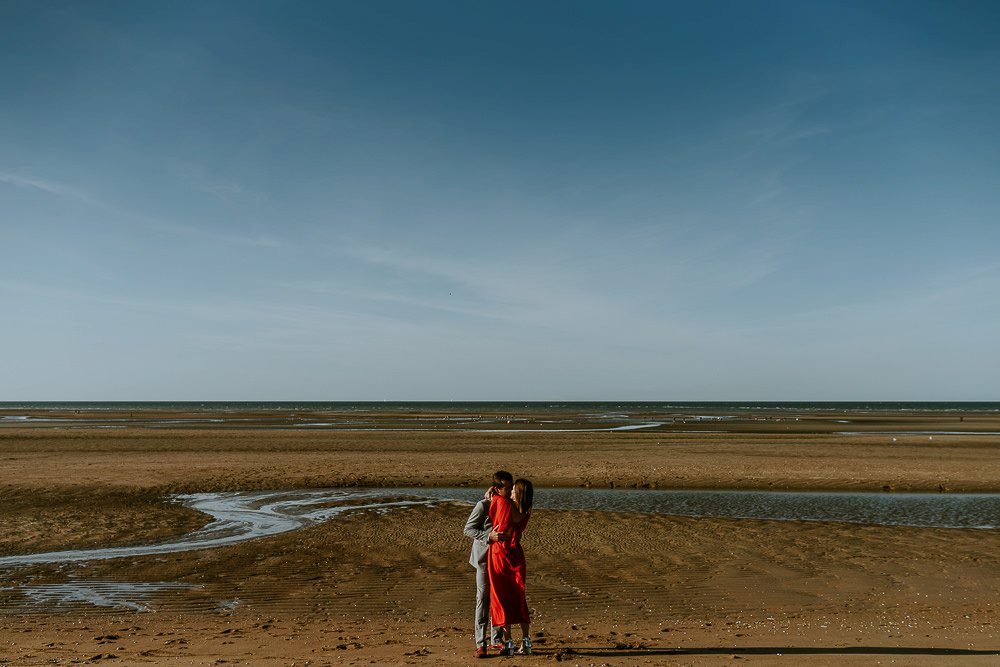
<point>479,527</point>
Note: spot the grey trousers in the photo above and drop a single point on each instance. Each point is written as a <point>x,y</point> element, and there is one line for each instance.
<point>483,609</point>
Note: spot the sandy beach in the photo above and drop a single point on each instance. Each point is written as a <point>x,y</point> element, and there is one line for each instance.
<point>394,587</point>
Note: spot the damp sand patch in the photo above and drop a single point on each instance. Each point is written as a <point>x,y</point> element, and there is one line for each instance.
<point>46,520</point>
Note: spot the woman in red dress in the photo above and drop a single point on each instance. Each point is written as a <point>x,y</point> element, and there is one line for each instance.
<point>506,563</point>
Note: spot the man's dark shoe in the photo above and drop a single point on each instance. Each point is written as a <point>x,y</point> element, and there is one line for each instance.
<point>481,652</point>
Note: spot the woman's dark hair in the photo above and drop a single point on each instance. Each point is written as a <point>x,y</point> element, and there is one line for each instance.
<point>525,492</point>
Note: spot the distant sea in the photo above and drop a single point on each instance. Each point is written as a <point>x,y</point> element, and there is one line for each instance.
<point>513,406</point>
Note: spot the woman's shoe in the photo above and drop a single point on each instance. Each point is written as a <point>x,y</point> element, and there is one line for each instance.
<point>525,647</point>
<point>508,648</point>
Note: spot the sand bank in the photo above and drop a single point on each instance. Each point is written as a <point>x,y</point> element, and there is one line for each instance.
<point>395,588</point>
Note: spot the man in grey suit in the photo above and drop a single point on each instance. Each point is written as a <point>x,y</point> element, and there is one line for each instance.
<point>480,529</point>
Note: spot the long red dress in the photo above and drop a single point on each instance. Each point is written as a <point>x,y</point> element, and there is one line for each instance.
<point>508,605</point>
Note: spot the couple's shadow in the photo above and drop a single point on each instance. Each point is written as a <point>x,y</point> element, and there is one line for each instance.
<point>569,652</point>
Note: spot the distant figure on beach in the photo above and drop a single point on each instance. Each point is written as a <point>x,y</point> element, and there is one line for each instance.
<point>479,527</point>
<point>509,511</point>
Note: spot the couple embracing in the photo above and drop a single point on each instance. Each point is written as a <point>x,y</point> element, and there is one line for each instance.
<point>495,526</point>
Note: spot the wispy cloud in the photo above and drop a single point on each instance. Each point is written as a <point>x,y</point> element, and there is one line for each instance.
<point>963,304</point>
<point>150,223</point>
<point>340,290</point>
<point>521,291</point>
<point>220,236</point>
<point>45,185</point>
<point>233,323</point>
<point>231,190</point>
<point>200,178</point>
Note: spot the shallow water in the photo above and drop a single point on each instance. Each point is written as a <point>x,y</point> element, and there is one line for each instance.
<point>930,510</point>
<point>117,594</point>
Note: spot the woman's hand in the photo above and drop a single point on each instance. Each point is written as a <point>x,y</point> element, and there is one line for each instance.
<point>497,536</point>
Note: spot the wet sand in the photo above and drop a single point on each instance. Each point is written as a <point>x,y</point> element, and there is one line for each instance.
<point>395,588</point>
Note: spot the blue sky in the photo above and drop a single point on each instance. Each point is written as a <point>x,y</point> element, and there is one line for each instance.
<point>494,200</point>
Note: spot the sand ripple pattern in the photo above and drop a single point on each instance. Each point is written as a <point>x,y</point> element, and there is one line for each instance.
<point>242,516</point>
<point>411,562</point>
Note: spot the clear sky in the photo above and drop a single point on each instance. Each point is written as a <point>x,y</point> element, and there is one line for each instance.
<point>557,200</point>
